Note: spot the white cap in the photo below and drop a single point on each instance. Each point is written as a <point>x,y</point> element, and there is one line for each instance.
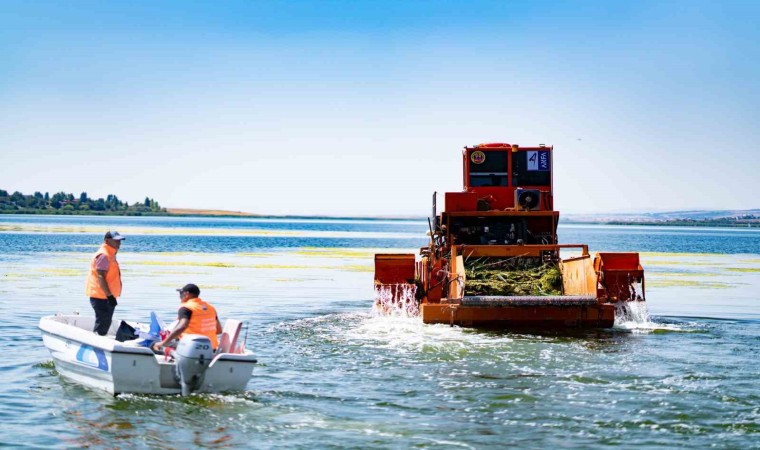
<point>114,235</point>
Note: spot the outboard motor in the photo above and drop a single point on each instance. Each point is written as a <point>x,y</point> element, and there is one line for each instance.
<point>193,355</point>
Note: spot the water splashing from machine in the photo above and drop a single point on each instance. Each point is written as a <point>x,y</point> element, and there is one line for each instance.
<point>632,313</point>
<point>396,300</point>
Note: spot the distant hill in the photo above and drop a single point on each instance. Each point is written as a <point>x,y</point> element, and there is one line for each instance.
<point>740,218</point>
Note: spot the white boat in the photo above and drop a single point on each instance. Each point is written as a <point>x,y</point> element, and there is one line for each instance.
<point>102,362</point>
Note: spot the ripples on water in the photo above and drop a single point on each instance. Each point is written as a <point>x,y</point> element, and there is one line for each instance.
<point>335,374</point>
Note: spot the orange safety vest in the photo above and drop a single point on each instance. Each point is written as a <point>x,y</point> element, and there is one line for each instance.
<point>202,320</point>
<point>113,275</point>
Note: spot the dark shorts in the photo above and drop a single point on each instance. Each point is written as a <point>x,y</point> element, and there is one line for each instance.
<point>103,315</point>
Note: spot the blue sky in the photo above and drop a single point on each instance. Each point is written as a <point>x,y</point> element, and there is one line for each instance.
<point>363,107</point>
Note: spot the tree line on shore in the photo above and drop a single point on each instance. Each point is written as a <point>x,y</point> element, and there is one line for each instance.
<point>63,203</point>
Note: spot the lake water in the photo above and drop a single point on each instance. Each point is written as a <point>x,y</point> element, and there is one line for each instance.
<point>334,375</point>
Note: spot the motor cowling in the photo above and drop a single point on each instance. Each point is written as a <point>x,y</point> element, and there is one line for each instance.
<point>193,356</point>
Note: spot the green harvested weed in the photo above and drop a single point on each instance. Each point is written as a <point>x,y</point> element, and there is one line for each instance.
<point>512,276</point>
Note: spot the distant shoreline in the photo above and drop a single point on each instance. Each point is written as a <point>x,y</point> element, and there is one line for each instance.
<point>190,212</point>
<point>208,212</point>
<point>725,222</point>
<point>709,223</point>
<point>673,223</point>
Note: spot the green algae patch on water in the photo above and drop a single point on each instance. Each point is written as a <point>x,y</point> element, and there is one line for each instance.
<point>63,272</point>
<point>13,275</point>
<point>282,266</point>
<point>22,276</point>
<point>587,380</point>
<point>46,365</point>
<point>681,275</point>
<point>664,283</point>
<point>295,280</point>
<point>356,268</point>
<point>78,257</point>
<point>180,272</point>
<point>212,232</point>
<point>335,253</point>
<point>185,263</point>
<point>170,253</point>
<point>744,269</point>
<point>680,262</point>
<point>685,256</point>
<point>688,279</point>
<point>215,264</point>
<point>226,287</point>
<point>680,255</point>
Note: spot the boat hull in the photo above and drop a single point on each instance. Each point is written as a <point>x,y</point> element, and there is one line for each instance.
<point>102,363</point>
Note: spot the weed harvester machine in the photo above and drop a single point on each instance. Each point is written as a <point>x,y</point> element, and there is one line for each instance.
<point>494,259</point>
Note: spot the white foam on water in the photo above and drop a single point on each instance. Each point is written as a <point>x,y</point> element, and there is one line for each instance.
<point>244,397</point>
<point>398,332</point>
<point>394,322</point>
<point>634,316</point>
<point>408,334</point>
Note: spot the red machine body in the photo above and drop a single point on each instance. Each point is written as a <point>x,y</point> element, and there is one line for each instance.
<point>506,212</point>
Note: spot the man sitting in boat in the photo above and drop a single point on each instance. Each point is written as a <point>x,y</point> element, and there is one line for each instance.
<point>194,317</point>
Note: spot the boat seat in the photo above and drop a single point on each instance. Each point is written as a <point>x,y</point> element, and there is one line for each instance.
<point>230,334</point>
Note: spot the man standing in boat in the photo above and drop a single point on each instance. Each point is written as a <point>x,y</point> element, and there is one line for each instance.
<point>194,317</point>
<point>104,281</point>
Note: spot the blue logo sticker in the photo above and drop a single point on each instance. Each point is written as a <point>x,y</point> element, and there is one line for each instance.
<point>93,357</point>
<point>538,160</point>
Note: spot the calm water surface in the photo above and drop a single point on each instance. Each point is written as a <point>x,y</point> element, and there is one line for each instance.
<point>334,375</point>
